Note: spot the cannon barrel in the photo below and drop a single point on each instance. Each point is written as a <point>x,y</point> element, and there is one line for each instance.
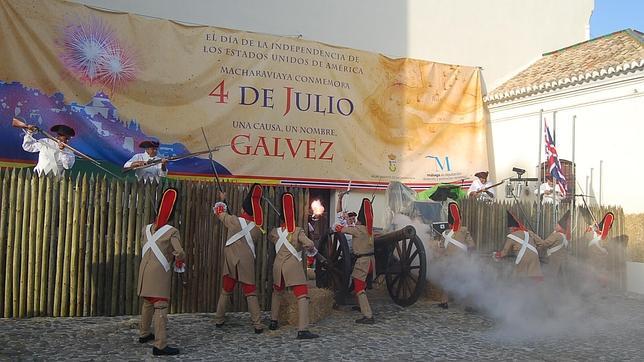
<point>407,232</point>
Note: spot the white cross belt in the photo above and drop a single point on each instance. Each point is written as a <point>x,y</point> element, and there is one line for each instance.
<point>554,249</point>
<point>524,246</point>
<point>245,233</point>
<point>152,244</point>
<point>448,236</point>
<point>283,241</point>
<point>595,242</point>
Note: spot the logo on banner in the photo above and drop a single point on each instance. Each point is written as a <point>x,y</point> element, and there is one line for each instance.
<point>392,162</point>
<point>442,164</point>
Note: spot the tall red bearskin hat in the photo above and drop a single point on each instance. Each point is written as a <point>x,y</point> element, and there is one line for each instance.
<point>252,204</point>
<point>606,224</point>
<point>365,215</point>
<point>288,211</point>
<point>166,207</point>
<point>513,222</point>
<point>564,222</point>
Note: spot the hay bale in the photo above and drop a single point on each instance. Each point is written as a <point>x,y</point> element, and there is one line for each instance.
<point>320,306</point>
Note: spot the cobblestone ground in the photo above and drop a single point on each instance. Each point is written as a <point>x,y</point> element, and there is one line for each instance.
<point>419,332</point>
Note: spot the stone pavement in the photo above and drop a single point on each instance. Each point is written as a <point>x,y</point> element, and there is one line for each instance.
<point>419,332</point>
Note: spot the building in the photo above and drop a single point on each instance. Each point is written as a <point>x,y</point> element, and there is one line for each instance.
<point>592,96</point>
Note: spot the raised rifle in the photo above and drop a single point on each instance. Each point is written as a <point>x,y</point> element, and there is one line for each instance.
<point>157,160</point>
<point>18,123</point>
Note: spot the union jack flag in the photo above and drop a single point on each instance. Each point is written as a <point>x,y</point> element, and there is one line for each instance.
<point>554,166</point>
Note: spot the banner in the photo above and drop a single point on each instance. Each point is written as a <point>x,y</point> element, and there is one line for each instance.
<point>285,110</point>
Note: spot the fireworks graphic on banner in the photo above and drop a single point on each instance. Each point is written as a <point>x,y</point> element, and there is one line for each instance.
<point>92,52</point>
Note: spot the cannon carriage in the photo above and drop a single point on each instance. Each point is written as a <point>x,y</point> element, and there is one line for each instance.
<point>400,257</point>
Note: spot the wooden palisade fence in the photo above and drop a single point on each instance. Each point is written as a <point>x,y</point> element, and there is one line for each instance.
<point>487,222</point>
<point>72,246</point>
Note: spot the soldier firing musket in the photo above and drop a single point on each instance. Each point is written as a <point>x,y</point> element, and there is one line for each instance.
<point>54,152</point>
<point>481,187</point>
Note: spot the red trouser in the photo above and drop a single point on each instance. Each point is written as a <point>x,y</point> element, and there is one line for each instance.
<point>359,285</point>
<point>155,299</point>
<point>298,290</point>
<point>229,285</point>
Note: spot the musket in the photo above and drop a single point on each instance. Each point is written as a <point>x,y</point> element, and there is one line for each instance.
<point>17,123</point>
<point>212,162</point>
<point>583,198</point>
<point>156,161</point>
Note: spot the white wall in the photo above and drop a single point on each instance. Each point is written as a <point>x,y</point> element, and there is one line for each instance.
<point>635,277</point>
<point>609,127</point>
<point>502,36</point>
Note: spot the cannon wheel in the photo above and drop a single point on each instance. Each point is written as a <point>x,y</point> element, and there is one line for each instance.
<point>336,275</point>
<point>406,271</point>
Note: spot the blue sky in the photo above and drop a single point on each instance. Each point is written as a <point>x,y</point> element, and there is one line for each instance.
<point>614,15</point>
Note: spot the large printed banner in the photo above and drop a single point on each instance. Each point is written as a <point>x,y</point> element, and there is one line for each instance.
<point>285,110</point>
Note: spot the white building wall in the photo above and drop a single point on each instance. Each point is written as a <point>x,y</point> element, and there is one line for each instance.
<point>609,128</point>
<point>502,36</point>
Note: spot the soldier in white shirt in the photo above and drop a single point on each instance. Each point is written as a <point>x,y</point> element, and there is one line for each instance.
<point>154,172</point>
<point>548,192</point>
<point>53,156</point>
<point>479,188</point>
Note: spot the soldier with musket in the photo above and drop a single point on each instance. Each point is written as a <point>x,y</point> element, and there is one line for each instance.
<point>522,243</point>
<point>457,243</point>
<point>53,155</point>
<point>161,251</point>
<point>362,235</point>
<point>556,247</point>
<point>288,270</point>
<point>239,254</point>
<point>595,237</point>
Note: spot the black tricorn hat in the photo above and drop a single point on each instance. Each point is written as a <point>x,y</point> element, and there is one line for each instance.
<point>63,130</point>
<point>482,174</point>
<point>149,144</point>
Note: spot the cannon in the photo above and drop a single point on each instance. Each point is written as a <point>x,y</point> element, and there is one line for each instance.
<point>400,257</point>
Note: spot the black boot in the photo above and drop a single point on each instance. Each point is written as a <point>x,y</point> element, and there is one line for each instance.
<point>167,351</point>
<point>444,305</point>
<point>306,335</point>
<point>219,325</point>
<point>365,320</point>
<point>272,325</point>
<point>259,330</point>
<point>149,337</point>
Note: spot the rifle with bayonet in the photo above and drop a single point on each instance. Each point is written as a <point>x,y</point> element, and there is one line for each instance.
<point>157,160</point>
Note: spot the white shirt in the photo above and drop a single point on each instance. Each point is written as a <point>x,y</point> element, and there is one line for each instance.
<point>555,195</point>
<point>477,185</point>
<point>50,157</point>
<point>151,173</point>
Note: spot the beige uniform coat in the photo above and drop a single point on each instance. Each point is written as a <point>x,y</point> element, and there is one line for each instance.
<point>557,259</point>
<point>154,281</point>
<point>286,264</point>
<point>597,257</point>
<point>463,235</point>
<point>362,244</point>
<point>239,262</point>
<point>529,265</point>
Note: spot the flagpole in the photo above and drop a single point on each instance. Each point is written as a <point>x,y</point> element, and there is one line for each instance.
<point>540,174</point>
<point>556,183</point>
<point>574,170</point>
